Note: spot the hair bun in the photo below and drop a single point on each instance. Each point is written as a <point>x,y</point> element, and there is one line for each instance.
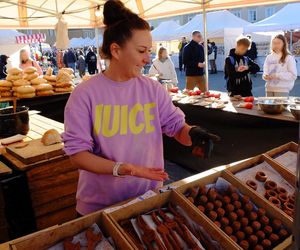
<point>115,11</point>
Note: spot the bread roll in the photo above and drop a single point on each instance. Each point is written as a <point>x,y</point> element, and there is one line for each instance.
<point>86,77</point>
<point>3,89</point>
<point>63,76</point>
<point>38,80</point>
<point>60,90</point>
<point>51,137</point>
<point>15,71</point>
<point>43,87</point>
<point>5,83</point>
<point>63,84</point>
<point>49,71</point>
<point>6,94</point>
<point>50,78</point>
<point>30,77</point>
<point>45,93</point>
<point>21,82</point>
<point>70,71</point>
<point>25,90</point>
<point>14,77</point>
<point>28,95</point>
<point>30,70</point>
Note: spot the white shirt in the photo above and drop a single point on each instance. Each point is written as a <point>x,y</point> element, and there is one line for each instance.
<point>286,73</point>
<point>166,69</point>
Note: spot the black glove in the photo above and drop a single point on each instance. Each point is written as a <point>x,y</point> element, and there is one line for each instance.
<point>202,142</point>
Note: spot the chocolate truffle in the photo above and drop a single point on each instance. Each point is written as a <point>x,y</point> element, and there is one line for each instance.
<point>212,194</point>
<point>245,199</point>
<point>218,204</point>
<point>261,212</point>
<point>260,235</point>
<point>202,190</point>
<point>233,238</point>
<point>234,197</point>
<point>201,208</point>
<point>224,221</point>
<point>266,243</point>
<point>203,200</point>
<point>220,212</point>
<point>237,204</point>
<point>248,207</point>
<point>244,221</point>
<point>229,208</point>
<point>274,238</point>
<point>240,235</point>
<point>209,206</point>
<point>252,239</point>
<point>268,230</point>
<point>244,244</point>
<point>236,226</point>
<point>232,216</point>
<point>276,224</point>
<point>258,247</point>
<point>228,230</point>
<point>256,225</point>
<point>253,215</point>
<point>240,213</point>
<point>248,230</point>
<point>217,223</point>
<point>226,199</point>
<point>283,234</point>
<point>264,220</point>
<point>212,215</point>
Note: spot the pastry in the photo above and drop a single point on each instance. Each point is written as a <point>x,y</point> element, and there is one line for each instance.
<point>274,238</point>
<point>64,84</point>
<point>232,216</point>
<point>217,223</point>
<point>226,199</point>
<point>270,193</point>
<point>43,87</point>
<point>30,77</point>
<point>29,95</point>
<point>248,230</point>
<point>69,245</point>
<point>49,71</point>
<point>266,243</point>
<point>209,206</point>
<point>240,213</point>
<point>51,78</point>
<point>252,239</point>
<point>281,190</point>
<point>260,235</point>
<point>14,71</point>
<point>261,176</point>
<point>92,238</point>
<point>63,76</point>
<point>261,212</point>
<point>4,89</point>
<point>234,197</point>
<point>268,230</point>
<point>258,247</point>
<point>244,221</point>
<point>192,192</point>
<point>292,199</point>
<point>61,90</point>
<point>6,94</point>
<point>288,212</point>
<point>236,226</point>
<point>30,70</point>
<point>248,207</point>
<point>218,204</point>
<point>244,244</point>
<point>228,230</point>
<point>264,220</point>
<point>213,215</point>
<point>14,77</point>
<point>38,81</point>
<point>253,216</point>
<point>45,93</point>
<point>229,208</point>
<point>283,198</point>
<point>252,184</point>
<point>237,204</point>
<point>25,89</point>
<point>276,224</point>
<point>240,235</point>
<point>283,234</point>
<point>201,208</point>
<point>203,199</point>
<point>220,212</point>
<point>5,83</point>
<point>288,206</point>
<point>270,185</point>
<point>275,201</point>
<point>212,194</point>
<point>256,225</point>
<point>224,222</point>
<point>21,82</point>
<point>69,71</point>
<point>51,137</point>
<point>233,238</point>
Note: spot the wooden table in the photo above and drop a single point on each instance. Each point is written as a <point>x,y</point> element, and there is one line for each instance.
<point>52,183</point>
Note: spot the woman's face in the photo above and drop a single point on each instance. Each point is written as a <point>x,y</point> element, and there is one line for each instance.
<point>135,54</point>
<point>24,56</point>
<point>164,54</point>
<point>277,45</point>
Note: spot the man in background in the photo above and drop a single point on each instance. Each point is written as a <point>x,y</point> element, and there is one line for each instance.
<point>212,58</point>
<point>252,52</point>
<point>193,59</point>
<point>180,48</point>
<point>91,61</point>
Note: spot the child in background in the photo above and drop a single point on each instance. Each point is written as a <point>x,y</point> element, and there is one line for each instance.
<point>238,68</point>
<point>280,71</point>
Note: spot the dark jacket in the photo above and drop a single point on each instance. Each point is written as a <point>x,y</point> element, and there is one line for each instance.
<point>91,59</point>
<point>239,83</point>
<point>193,53</point>
<point>70,57</point>
<point>81,65</point>
<point>3,62</point>
<point>252,52</point>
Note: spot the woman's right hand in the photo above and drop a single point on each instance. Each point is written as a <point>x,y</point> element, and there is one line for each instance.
<point>143,172</point>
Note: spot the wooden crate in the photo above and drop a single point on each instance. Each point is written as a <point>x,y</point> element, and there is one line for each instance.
<point>271,211</point>
<point>53,192</point>
<point>287,175</point>
<point>159,201</point>
<point>291,146</point>
<point>50,236</point>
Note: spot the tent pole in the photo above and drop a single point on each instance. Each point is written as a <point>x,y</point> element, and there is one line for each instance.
<point>99,68</point>
<point>291,41</point>
<point>205,42</point>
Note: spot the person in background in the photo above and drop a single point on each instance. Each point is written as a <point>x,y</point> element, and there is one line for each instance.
<point>26,61</point>
<point>212,58</point>
<point>180,48</point>
<point>252,52</point>
<point>71,59</point>
<point>164,66</point>
<point>91,61</point>
<point>238,68</point>
<point>81,65</point>
<point>193,59</point>
<point>280,70</point>
<point>3,63</point>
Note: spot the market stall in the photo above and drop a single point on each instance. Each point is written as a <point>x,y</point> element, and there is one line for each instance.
<point>216,209</point>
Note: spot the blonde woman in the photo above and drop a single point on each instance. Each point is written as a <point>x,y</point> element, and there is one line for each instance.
<point>164,67</point>
<point>26,61</point>
<point>280,71</point>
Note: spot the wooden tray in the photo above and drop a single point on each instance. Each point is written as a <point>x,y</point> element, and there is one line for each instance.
<point>160,200</point>
<point>271,211</point>
<point>35,151</point>
<point>50,236</point>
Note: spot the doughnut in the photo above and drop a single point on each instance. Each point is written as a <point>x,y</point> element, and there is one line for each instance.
<point>270,193</point>
<point>281,190</point>
<point>289,213</point>
<point>209,206</point>
<point>240,235</point>
<point>212,194</point>
<point>260,235</point>
<point>245,199</point>
<point>251,184</point>
<point>288,206</point>
<point>248,230</point>
<point>213,215</point>
<point>261,212</point>
<point>224,221</point>
<point>274,238</point>
<point>218,204</point>
<point>232,216</point>
<point>253,216</point>
<point>236,226</point>
<point>237,204</point>
<point>248,207</point>
<point>283,198</point>
<point>244,221</point>
<point>268,230</point>
<point>228,230</point>
<point>226,199</point>
<point>244,244</point>
<point>266,243</point>
<point>275,201</point>
<point>256,225</point>
<point>276,224</point>
<point>220,212</point>
<point>217,223</point>
<point>252,239</point>
<point>201,208</point>
<point>240,213</point>
<point>270,185</point>
<point>229,208</point>
<point>258,247</point>
<point>283,234</point>
<point>264,220</point>
<point>233,238</point>
<point>235,197</point>
<point>203,199</point>
<point>261,176</point>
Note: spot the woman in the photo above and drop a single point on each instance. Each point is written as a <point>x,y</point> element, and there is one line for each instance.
<point>164,66</point>
<point>280,71</point>
<point>26,61</point>
<point>114,121</point>
<point>81,64</point>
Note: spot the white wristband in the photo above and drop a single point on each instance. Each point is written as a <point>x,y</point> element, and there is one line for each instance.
<point>116,169</point>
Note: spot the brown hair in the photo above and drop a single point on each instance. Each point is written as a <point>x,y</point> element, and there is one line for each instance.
<point>285,51</point>
<point>245,41</point>
<point>160,51</point>
<point>120,23</point>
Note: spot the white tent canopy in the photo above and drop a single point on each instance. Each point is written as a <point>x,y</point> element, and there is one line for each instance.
<point>285,19</point>
<point>217,21</point>
<point>164,31</point>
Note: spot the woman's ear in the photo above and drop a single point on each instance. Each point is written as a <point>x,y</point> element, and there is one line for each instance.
<point>115,50</point>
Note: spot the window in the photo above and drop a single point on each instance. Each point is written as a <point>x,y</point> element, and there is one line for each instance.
<point>269,11</point>
<point>237,13</point>
<point>252,15</point>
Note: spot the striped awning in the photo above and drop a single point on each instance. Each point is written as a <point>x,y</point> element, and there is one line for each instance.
<point>34,38</point>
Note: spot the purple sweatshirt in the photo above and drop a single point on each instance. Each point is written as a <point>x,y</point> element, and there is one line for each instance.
<point>122,122</point>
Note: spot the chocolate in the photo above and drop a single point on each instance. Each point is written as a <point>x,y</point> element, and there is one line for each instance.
<point>274,238</point>
<point>209,206</point>
<point>217,223</point>
<point>226,199</point>
<point>244,244</point>
<point>236,226</point>
<point>253,216</point>
<point>191,199</point>
<point>234,197</point>
<point>218,204</point>
<point>266,243</point>
<point>270,193</point>
<point>261,212</point>
<point>261,176</point>
<point>213,215</point>
<point>256,225</point>
<point>248,230</point>
<point>268,230</point>
<point>283,234</point>
<point>276,202</point>
<point>258,247</point>
<point>264,220</point>
<point>229,208</point>
<point>224,221</point>
<point>203,200</point>
<point>281,190</point>
<point>270,185</point>
<point>244,221</point>
<point>240,213</point>
<point>251,184</point>
<point>245,199</point>
<point>240,235</point>
<point>220,212</point>
<point>283,198</point>
<point>231,189</point>
<point>237,204</point>
<point>260,235</point>
<point>252,239</point>
<point>232,216</point>
<point>228,230</point>
<point>201,208</point>
<point>248,207</point>
<point>212,194</point>
<point>233,238</point>
<point>276,224</point>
